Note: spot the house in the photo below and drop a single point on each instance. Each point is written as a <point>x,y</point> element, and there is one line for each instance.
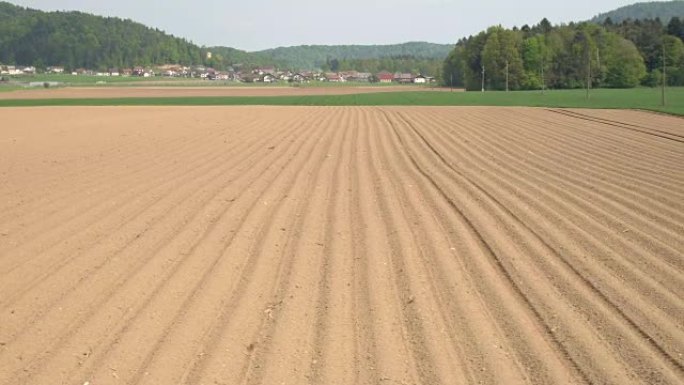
<point>385,77</point>
<point>299,78</point>
<point>335,78</point>
<point>142,72</point>
<point>268,78</point>
<point>354,76</point>
<point>216,75</point>
<point>349,75</point>
<point>265,70</point>
<point>55,70</point>
<point>127,72</point>
<point>403,78</point>
<point>361,77</point>
<point>28,70</point>
<point>174,70</point>
<point>420,79</point>
<point>11,70</point>
<point>247,77</point>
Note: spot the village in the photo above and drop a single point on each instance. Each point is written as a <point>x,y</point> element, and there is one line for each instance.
<point>269,74</point>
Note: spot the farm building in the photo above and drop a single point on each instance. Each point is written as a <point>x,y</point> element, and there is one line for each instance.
<point>335,78</point>
<point>403,78</point>
<point>385,77</point>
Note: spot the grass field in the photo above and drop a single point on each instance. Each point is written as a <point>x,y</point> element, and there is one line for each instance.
<point>639,98</point>
<point>122,81</point>
<point>84,80</point>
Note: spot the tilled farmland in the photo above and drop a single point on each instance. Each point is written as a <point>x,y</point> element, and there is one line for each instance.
<point>341,245</point>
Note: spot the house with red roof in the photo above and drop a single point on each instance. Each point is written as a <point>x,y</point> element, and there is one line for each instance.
<point>385,77</point>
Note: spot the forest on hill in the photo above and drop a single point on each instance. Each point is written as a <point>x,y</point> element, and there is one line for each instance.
<point>390,57</point>
<point>80,40</point>
<point>316,56</point>
<point>663,10</point>
<point>614,55</point>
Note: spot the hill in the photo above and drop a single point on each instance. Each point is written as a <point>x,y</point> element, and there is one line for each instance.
<point>315,56</point>
<point>319,56</point>
<point>665,10</point>
<point>75,39</point>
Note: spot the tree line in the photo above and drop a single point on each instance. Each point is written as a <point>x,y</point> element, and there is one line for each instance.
<point>576,55</point>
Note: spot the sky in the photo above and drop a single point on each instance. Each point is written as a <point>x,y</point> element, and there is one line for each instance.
<point>271,23</point>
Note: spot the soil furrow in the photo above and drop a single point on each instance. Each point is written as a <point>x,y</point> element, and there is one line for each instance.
<point>676,366</point>
<point>181,246</point>
<point>340,245</point>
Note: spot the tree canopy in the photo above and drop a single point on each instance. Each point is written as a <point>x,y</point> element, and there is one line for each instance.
<point>617,55</point>
<point>75,39</point>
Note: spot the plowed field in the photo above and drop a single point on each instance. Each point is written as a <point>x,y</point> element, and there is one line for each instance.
<point>288,245</point>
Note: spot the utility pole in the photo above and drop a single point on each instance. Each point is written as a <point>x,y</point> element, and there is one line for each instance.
<point>451,81</point>
<point>598,63</point>
<point>506,75</point>
<point>542,73</point>
<point>483,77</point>
<point>663,101</point>
<point>588,73</point>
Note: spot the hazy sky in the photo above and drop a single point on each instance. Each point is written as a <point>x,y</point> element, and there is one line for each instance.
<point>254,25</point>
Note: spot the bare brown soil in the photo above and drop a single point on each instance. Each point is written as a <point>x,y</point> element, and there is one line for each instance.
<point>340,245</point>
<point>161,92</point>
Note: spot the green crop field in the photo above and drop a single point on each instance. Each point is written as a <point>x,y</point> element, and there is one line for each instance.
<point>7,88</point>
<point>85,80</point>
<point>111,81</point>
<point>638,98</point>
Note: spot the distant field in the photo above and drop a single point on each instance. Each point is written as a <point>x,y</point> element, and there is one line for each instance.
<point>639,98</point>
<point>121,81</point>
<point>83,80</point>
<point>150,91</point>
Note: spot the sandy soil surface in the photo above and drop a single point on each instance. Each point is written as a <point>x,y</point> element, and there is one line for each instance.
<point>287,245</point>
<point>160,92</point>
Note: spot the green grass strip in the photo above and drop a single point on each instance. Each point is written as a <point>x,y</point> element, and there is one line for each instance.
<point>639,98</point>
